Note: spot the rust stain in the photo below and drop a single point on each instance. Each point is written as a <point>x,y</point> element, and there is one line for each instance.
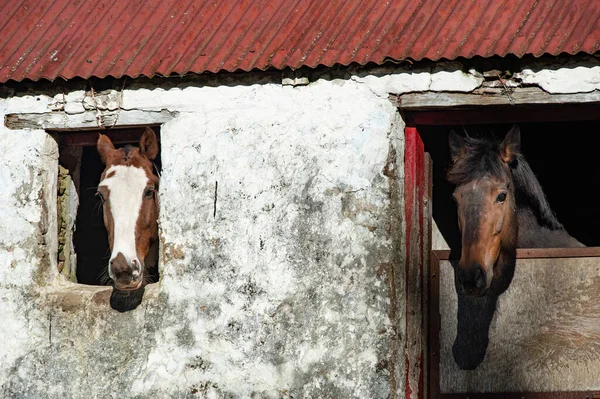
<point>68,39</point>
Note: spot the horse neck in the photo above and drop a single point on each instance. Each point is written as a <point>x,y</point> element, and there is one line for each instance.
<point>533,235</point>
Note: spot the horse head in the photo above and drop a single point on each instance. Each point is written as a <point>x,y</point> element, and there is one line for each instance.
<point>487,209</point>
<point>128,191</point>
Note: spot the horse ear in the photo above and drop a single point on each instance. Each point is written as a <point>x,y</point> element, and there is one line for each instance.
<point>457,145</point>
<point>149,144</point>
<point>511,146</point>
<point>105,146</point>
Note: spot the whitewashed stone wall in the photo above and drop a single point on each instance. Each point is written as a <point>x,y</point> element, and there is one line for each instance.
<point>285,292</point>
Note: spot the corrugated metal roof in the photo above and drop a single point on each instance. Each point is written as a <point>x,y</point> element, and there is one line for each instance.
<point>83,38</point>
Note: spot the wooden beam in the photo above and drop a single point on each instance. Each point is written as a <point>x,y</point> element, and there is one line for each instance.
<point>504,114</point>
<point>538,253</point>
<point>90,138</point>
<point>489,97</point>
<point>87,120</point>
<point>414,192</point>
<point>524,395</point>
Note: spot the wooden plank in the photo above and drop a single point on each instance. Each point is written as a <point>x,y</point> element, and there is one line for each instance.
<point>428,222</point>
<point>541,253</point>
<point>87,120</point>
<point>490,97</point>
<point>414,189</point>
<point>503,114</point>
<point>525,395</point>
<point>434,326</point>
<point>90,138</point>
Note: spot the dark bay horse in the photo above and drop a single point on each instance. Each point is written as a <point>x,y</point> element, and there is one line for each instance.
<point>501,207</point>
<point>128,190</point>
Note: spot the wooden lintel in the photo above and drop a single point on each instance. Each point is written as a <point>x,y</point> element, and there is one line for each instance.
<point>504,114</point>
<point>87,120</point>
<point>90,137</point>
<point>489,97</point>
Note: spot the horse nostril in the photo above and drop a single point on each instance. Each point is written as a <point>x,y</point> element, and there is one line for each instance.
<point>135,265</point>
<point>136,268</point>
<point>473,278</point>
<point>480,279</point>
<point>464,276</point>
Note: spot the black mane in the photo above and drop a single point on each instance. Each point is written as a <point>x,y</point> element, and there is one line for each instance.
<point>481,159</point>
<point>126,150</point>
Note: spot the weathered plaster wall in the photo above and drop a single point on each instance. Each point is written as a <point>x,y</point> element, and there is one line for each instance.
<point>284,291</point>
<point>292,288</point>
<point>27,184</point>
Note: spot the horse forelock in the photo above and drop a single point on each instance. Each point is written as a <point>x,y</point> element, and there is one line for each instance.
<point>130,156</point>
<point>480,160</point>
<point>127,151</point>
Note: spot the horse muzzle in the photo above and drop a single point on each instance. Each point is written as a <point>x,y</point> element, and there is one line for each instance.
<point>473,280</point>
<point>126,275</point>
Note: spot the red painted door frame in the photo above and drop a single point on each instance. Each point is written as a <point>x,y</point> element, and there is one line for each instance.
<point>416,233</point>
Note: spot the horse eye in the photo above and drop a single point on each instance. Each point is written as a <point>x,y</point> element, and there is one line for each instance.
<point>501,197</point>
<point>149,192</point>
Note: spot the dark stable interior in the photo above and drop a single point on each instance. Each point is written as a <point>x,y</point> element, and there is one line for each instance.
<point>90,238</point>
<point>563,157</point>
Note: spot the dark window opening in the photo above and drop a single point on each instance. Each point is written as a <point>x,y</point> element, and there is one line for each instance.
<point>561,154</point>
<point>84,251</point>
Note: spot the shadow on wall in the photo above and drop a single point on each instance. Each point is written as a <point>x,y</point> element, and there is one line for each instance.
<point>124,301</point>
<point>474,318</point>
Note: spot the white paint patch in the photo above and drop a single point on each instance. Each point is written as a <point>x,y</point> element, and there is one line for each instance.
<point>410,82</point>
<point>455,81</point>
<point>126,186</point>
<point>310,355</point>
<point>564,80</point>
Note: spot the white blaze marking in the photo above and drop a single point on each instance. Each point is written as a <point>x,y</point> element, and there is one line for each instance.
<point>126,189</point>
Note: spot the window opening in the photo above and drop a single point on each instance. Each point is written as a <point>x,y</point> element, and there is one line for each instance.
<point>84,252</point>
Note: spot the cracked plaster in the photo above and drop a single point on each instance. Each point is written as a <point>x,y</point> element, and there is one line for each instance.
<point>281,294</point>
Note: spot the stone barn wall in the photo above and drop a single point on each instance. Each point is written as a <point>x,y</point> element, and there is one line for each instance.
<point>289,284</point>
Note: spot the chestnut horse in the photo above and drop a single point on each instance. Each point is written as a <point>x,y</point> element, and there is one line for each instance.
<point>128,190</point>
<point>501,207</point>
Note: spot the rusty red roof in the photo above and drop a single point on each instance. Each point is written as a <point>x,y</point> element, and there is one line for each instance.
<point>46,39</point>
